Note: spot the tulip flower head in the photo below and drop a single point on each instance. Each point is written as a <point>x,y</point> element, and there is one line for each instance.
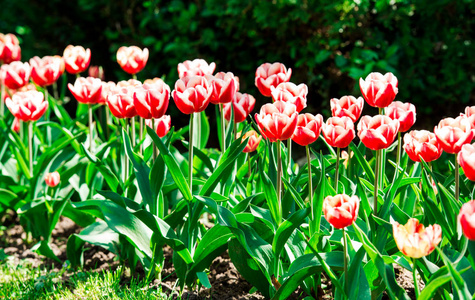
<point>268,75</point>
<point>291,93</point>
<point>46,71</point>
<point>196,67</point>
<point>466,219</point>
<point>404,112</point>
<point>162,125</point>
<point>192,94</point>
<point>121,101</point>
<point>151,99</point>
<point>452,134</point>
<point>9,48</point>
<point>243,104</point>
<point>341,210</point>
<point>225,86</point>
<point>339,132</point>
<point>466,159</point>
<point>16,75</point>
<point>87,90</point>
<point>76,59</point>
<point>96,72</point>
<point>52,179</point>
<point>423,144</point>
<point>308,129</point>
<point>252,142</point>
<point>27,106</point>
<point>347,106</point>
<point>377,132</point>
<point>132,59</point>
<point>470,114</point>
<point>414,240</point>
<point>107,88</point>
<point>277,121</point>
<point>379,90</point>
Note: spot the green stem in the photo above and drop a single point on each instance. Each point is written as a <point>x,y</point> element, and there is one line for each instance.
<point>141,121</point>
<point>30,146</point>
<point>55,90</point>
<point>345,260</point>
<point>91,128</point>
<point>376,181</point>
<point>279,183</point>
<point>190,154</point>
<point>337,168</point>
<point>223,129</point>
<point>2,106</point>
<point>414,274</point>
<point>107,121</point>
<point>134,76</point>
<point>133,132</point>
<point>47,118</point>
<point>126,173</point>
<point>289,156</point>
<point>457,179</point>
<point>155,149</point>
<point>249,166</point>
<point>398,154</point>
<point>310,187</point>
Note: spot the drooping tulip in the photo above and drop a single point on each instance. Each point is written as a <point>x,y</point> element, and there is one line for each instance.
<point>452,134</point>
<point>225,86</point>
<point>192,94</point>
<point>414,240</point>
<point>76,59</point>
<point>466,219</point>
<point>277,121</point>
<point>379,90</point>
<point>16,75</point>
<point>252,142</point>
<point>341,210</point>
<point>162,125</point>
<point>377,132</point>
<point>339,132</point>
<point>87,90</point>
<point>9,48</point>
<point>466,159</point>
<point>132,59</point>
<point>347,106</point>
<point>151,100</point>
<point>52,179</point>
<point>27,106</point>
<point>422,143</point>
<point>196,67</point>
<point>291,93</point>
<point>404,112</point>
<point>308,129</point>
<point>46,71</point>
<point>268,75</point>
<point>243,104</point>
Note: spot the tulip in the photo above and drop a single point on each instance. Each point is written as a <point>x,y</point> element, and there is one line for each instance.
<point>16,75</point>
<point>161,125</point>
<point>46,71</point>
<point>452,134</point>
<point>341,210</point>
<point>414,240</point>
<point>196,67</point>
<point>339,132</point>
<point>252,142</point>
<point>27,106</point>
<point>243,104</point>
<point>289,92</point>
<point>268,75</point>
<point>379,90</point>
<point>308,129</point>
<point>87,90</point>
<point>404,112</point>
<point>225,86</point>
<point>121,102</point>
<point>107,88</point>
<point>466,159</point>
<point>76,59</point>
<point>96,72</point>
<point>423,144</point>
<point>129,85</point>
<point>277,121</point>
<point>132,59</point>
<point>155,80</point>
<point>192,94</point>
<point>52,179</point>
<point>151,100</point>
<point>347,106</point>
<point>466,219</point>
<point>377,132</point>
<point>9,48</point>
<point>470,114</point>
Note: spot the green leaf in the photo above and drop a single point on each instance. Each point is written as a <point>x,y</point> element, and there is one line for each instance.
<point>203,277</point>
<point>363,162</point>
<point>286,228</point>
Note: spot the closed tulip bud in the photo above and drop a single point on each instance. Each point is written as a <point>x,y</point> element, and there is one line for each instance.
<point>27,106</point>
<point>52,179</point>
<point>121,101</point>
<point>243,104</point>
<point>151,100</point>
<point>162,125</point>
<point>308,129</point>
<point>87,90</point>
<point>196,67</point>
<point>466,159</point>
<point>46,71</point>
<point>379,90</point>
<point>423,144</point>
<point>9,48</point>
<point>76,59</point>
<point>466,219</point>
<point>132,59</point>
<point>192,94</point>
<point>16,75</point>
<point>404,112</point>
<point>96,72</point>
<point>268,75</point>
<point>347,106</point>
<point>377,132</point>
<point>341,210</point>
<point>339,132</point>
<point>225,86</point>
<point>252,142</point>
<point>291,93</point>
<point>414,240</point>
<point>452,134</point>
<point>277,121</point>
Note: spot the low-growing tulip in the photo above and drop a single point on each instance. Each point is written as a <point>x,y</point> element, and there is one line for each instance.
<point>277,121</point>
<point>162,125</point>
<point>347,106</point>
<point>414,240</point>
<point>243,104</point>
<point>377,132</point>
<point>252,142</point>
<point>466,159</point>
<point>9,48</point>
<point>16,74</point>
<point>452,134</point>
<point>52,179</point>
<point>308,129</point>
<point>268,75</point>
<point>192,94</point>
<point>76,59</point>
<point>151,100</point>
<point>466,219</point>
<point>422,143</point>
<point>404,112</point>
<point>132,59</point>
<point>291,93</point>
<point>46,71</point>
<point>196,67</point>
<point>341,210</point>
<point>225,86</point>
<point>27,106</point>
<point>379,90</point>
<point>87,90</point>
<point>338,132</point>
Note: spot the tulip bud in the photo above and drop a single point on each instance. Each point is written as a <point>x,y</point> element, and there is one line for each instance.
<point>466,159</point>
<point>377,132</point>
<point>16,75</point>
<point>47,70</point>
<point>308,129</point>
<point>414,240</point>
<point>277,121</point>
<point>9,48</point>
<point>268,75</point>
<point>341,210</point>
<point>162,125</point>
<point>347,106</point>
<point>196,67</point>
<point>132,59</point>
<point>452,134</point>
<point>466,218</point>
<point>252,142</point>
<point>27,106</point>
<point>86,90</point>
<point>151,100</point>
<point>225,86</point>
<point>243,104</point>
<point>339,132</point>
<point>379,90</point>
<point>423,144</point>
<point>76,59</point>
<point>404,112</point>
<point>52,179</point>
<point>192,94</point>
<point>291,93</point>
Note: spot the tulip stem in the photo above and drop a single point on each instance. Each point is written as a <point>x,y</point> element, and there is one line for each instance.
<point>48,128</point>
<point>30,146</point>
<point>155,150</point>
<point>126,173</point>
<point>2,106</point>
<point>310,187</point>
<point>249,166</point>
<point>457,179</point>
<point>414,274</point>
<point>376,181</point>
<point>398,153</point>
<point>345,258</point>
<point>279,183</point>
<point>223,129</point>
<point>289,157</point>
<point>91,127</point>
<point>337,168</point>
<point>141,133</point>
<point>190,154</point>
<point>133,132</point>
<point>107,122</point>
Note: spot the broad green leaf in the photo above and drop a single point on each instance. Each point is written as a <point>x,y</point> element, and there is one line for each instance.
<point>285,230</point>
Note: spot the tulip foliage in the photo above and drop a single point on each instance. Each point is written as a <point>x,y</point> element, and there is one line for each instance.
<point>352,219</point>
